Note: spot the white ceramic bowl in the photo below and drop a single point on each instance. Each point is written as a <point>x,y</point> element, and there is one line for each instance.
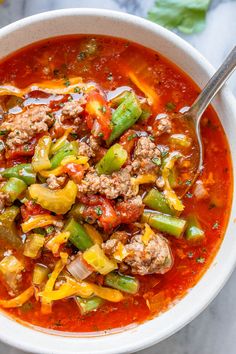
<point>93,21</point>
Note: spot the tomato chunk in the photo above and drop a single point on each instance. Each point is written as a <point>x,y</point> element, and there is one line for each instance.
<point>99,115</point>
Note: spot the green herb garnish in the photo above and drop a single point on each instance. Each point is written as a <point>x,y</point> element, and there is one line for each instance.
<point>3,132</point>
<point>98,210</point>
<point>215,226</point>
<point>170,106</point>
<point>67,83</point>
<point>81,56</point>
<point>132,136</point>
<point>156,161</point>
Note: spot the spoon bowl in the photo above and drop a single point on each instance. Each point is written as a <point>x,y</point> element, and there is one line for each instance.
<point>195,112</point>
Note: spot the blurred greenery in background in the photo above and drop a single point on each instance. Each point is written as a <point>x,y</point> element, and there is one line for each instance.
<point>188,16</point>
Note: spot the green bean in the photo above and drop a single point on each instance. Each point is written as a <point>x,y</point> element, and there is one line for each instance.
<point>165,223</point>
<point>113,160</point>
<point>14,187</point>
<point>122,282</point>
<point>157,201</point>
<point>88,305</point>
<point>78,235</point>
<point>23,171</point>
<point>194,232</point>
<point>125,116</point>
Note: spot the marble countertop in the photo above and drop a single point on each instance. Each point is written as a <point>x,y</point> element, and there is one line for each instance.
<point>213,332</point>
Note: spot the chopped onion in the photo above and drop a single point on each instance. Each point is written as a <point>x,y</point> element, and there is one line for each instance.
<point>79,269</point>
<point>200,191</point>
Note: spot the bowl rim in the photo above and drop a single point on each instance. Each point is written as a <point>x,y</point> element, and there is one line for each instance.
<point>180,322</point>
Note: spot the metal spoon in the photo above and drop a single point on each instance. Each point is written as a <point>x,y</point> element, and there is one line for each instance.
<point>197,109</point>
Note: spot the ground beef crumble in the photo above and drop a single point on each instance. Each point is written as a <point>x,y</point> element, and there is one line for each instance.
<point>4,200</point>
<point>22,127</point>
<point>144,157</point>
<point>112,186</point>
<point>163,125</point>
<point>54,182</point>
<point>153,257</point>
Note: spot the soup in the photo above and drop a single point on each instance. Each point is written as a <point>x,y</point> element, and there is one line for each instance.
<point>99,228</point>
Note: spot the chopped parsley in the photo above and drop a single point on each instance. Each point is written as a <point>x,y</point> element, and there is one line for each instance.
<point>3,132</point>
<point>81,56</point>
<point>98,210</point>
<point>164,153</point>
<point>156,161</point>
<point>151,138</point>
<point>74,135</point>
<point>110,77</point>
<point>26,148</point>
<point>170,106</point>
<point>200,260</point>
<point>49,114</point>
<point>132,136</point>
<point>188,182</point>
<point>189,195</point>
<point>67,83</point>
<point>190,254</point>
<point>77,89</point>
<point>49,229</point>
<point>215,226</point>
<point>100,134</point>
<point>102,109</point>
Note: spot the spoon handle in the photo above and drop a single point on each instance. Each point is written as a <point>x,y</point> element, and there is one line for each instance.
<point>213,86</point>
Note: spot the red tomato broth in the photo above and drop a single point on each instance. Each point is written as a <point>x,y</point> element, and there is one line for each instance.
<point>27,66</point>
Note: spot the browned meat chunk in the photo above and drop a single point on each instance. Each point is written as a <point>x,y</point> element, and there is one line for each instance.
<point>22,127</point>
<point>85,150</point>
<point>163,125</point>
<point>54,182</point>
<point>94,143</point>
<point>113,186</point>
<point>110,246</point>
<point>4,200</point>
<point>89,149</point>
<point>146,156</point>
<point>71,109</point>
<point>70,115</point>
<point>153,257</point>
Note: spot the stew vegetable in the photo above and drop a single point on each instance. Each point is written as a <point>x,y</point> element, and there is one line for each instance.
<point>94,233</point>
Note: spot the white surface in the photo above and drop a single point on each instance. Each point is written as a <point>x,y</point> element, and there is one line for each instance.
<point>214,330</point>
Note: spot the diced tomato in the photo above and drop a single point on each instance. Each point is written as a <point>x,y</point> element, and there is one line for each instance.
<point>128,212</point>
<point>19,160</point>
<point>75,171</point>
<point>26,149</point>
<point>57,104</point>
<point>99,114</point>
<point>108,217</point>
<point>128,140</point>
<point>30,208</point>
